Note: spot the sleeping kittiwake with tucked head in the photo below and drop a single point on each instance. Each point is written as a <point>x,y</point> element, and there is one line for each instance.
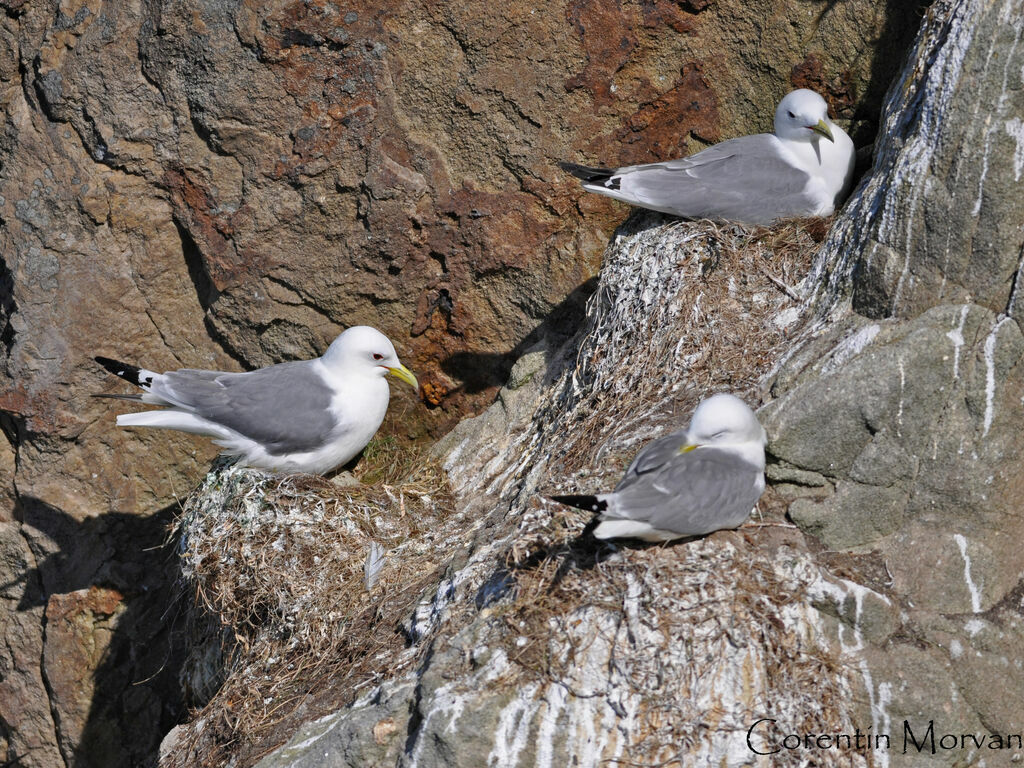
<point>804,168</point>
<point>304,416</point>
<point>689,483</point>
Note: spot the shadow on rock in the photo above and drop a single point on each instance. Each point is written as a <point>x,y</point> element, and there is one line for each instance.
<point>481,370</point>
<point>116,631</point>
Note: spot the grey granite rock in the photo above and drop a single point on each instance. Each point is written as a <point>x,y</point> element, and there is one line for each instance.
<point>914,416</point>
<point>939,219</point>
<point>368,734</point>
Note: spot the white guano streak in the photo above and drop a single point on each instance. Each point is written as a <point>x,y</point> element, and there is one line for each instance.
<point>957,337</point>
<point>971,586</point>
<point>880,698</point>
<point>1015,130</point>
<point>990,376</point>
<point>448,701</point>
<point>554,703</point>
<point>1007,16</point>
<point>513,729</point>
<point>850,347</point>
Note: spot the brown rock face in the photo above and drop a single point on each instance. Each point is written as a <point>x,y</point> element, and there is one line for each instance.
<point>26,727</point>
<point>79,628</point>
<point>229,185</point>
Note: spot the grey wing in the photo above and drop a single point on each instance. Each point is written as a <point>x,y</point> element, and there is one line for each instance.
<point>746,179</point>
<point>693,494</point>
<point>653,456</point>
<point>285,407</point>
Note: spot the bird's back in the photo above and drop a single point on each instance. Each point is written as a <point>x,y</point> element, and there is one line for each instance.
<point>747,179</point>
<point>284,407</point>
<point>691,493</point>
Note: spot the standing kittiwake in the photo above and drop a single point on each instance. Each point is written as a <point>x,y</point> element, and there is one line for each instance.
<point>803,169</point>
<point>304,416</point>
<point>690,483</point>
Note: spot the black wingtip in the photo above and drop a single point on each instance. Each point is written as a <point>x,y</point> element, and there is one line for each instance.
<point>587,173</point>
<point>122,370</point>
<point>582,501</point>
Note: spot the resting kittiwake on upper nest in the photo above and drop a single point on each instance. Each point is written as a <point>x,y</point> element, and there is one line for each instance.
<point>305,416</point>
<point>690,483</point>
<point>752,179</point>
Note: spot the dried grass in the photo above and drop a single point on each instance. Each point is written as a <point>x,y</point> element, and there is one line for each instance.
<point>279,561</point>
<point>682,615</point>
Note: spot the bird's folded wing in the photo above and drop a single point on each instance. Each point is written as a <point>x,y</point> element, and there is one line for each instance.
<point>739,178</point>
<point>653,456</point>
<point>694,493</point>
<point>285,407</point>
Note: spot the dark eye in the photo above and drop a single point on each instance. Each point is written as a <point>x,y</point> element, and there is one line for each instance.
<point>791,115</point>
<point>378,356</point>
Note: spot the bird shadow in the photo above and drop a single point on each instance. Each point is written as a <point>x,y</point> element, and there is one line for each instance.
<point>111,577</point>
<point>896,38</point>
<point>582,553</point>
<point>478,370</point>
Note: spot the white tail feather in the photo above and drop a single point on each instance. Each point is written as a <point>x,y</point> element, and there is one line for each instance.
<point>632,529</point>
<point>172,419</point>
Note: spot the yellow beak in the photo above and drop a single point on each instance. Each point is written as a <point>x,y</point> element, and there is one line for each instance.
<point>823,129</point>
<point>404,374</point>
<point>687,448</point>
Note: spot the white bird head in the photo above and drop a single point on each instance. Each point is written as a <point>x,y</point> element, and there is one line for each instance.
<point>802,115</point>
<point>365,350</point>
<point>724,420</point>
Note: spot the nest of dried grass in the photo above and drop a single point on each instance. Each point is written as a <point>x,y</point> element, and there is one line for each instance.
<point>284,562</point>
